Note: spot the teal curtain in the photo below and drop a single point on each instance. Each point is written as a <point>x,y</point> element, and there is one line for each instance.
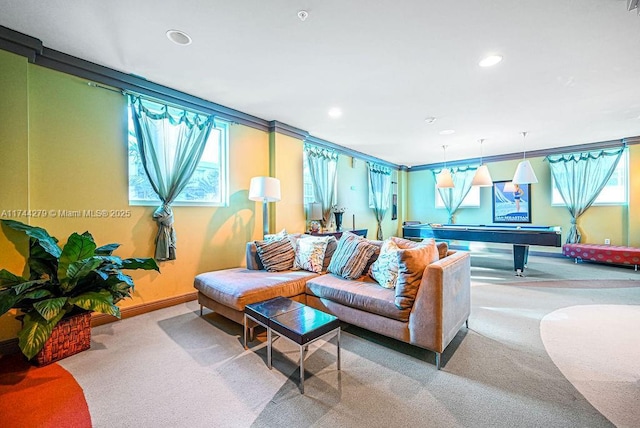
<point>171,142</point>
<point>453,197</point>
<point>580,177</point>
<point>379,192</point>
<point>323,168</point>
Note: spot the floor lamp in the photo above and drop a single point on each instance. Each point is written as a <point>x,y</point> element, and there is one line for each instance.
<point>265,189</point>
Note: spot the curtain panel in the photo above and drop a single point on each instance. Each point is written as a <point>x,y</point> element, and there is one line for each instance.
<point>379,192</point>
<point>580,177</point>
<point>323,168</point>
<point>462,182</point>
<point>171,142</point>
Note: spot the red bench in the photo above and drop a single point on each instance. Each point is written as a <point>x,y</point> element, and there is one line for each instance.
<point>618,255</point>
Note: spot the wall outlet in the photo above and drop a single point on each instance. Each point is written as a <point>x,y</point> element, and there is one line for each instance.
<point>607,241</point>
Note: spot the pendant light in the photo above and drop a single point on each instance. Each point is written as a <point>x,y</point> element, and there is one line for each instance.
<point>524,172</point>
<point>482,177</point>
<point>444,180</point>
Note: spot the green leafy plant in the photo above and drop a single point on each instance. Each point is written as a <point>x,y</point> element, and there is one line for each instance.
<point>63,280</point>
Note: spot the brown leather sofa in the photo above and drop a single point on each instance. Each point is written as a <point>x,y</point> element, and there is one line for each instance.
<point>441,307</point>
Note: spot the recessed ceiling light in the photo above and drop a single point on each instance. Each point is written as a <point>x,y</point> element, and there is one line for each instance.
<point>179,37</point>
<point>303,15</point>
<point>490,60</point>
<point>430,119</point>
<point>335,112</point>
<point>447,132</point>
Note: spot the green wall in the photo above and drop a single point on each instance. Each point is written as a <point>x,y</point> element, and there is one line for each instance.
<point>620,224</point>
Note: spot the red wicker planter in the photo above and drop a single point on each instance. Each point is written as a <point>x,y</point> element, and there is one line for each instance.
<point>70,336</point>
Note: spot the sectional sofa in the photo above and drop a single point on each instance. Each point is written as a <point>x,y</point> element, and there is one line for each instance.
<point>440,306</point>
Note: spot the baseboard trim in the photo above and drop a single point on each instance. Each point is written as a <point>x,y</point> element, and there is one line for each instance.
<point>100,319</point>
<point>10,346</point>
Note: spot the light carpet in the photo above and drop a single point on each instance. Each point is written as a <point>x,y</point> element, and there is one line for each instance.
<point>174,368</point>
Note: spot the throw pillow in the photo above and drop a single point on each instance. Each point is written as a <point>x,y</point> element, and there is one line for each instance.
<point>276,236</point>
<point>351,256</point>
<point>276,255</point>
<point>443,249</point>
<point>310,253</point>
<point>411,265</point>
<point>385,269</point>
<point>407,243</point>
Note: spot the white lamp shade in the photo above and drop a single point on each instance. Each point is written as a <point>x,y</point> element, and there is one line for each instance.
<point>444,180</point>
<point>264,189</point>
<point>524,174</point>
<point>482,177</point>
<point>509,187</point>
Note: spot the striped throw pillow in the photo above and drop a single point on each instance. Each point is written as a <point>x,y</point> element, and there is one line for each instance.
<point>276,255</point>
<point>351,256</point>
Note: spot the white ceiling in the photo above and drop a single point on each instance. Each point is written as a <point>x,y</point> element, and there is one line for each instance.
<point>570,73</point>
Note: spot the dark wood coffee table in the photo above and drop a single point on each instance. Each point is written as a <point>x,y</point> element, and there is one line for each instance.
<point>295,322</point>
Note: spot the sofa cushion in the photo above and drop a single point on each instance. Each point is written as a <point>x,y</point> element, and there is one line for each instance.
<point>411,265</point>
<point>238,287</point>
<point>351,256</point>
<point>276,255</point>
<point>363,294</point>
<point>385,269</point>
<point>309,253</point>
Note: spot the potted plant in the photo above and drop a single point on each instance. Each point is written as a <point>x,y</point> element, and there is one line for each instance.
<point>78,277</point>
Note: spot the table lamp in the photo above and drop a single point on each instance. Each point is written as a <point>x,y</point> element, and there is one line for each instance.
<point>265,189</point>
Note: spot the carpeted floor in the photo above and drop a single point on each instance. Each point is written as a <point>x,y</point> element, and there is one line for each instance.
<point>539,352</point>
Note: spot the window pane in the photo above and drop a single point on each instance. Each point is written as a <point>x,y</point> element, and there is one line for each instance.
<point>472,200</point>
<point>207,185</point>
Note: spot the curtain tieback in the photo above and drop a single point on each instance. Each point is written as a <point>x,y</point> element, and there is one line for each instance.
<point>164,215</point>
<point>573,221</point>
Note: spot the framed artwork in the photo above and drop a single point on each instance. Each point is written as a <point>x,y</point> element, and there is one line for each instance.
<point>511,202</point>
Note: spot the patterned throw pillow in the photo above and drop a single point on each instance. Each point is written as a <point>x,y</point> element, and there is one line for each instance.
<point>276,255</point>
<point>310,253</point>
<point>351,256</point>
<point>385,269</point>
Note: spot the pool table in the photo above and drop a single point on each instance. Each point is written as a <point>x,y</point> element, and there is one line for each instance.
<point>520,236</point>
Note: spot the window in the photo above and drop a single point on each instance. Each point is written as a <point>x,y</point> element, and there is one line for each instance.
<point>472,200</point>
<point>613,193</point>
<point>208,184</point>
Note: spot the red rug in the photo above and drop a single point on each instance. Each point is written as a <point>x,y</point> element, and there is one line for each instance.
<point>39,396</point>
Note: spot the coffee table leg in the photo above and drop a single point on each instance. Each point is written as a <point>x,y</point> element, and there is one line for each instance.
<point>338,348</point>
<point>244,330</point>
<point>301,369</point>
<point>269,347</point>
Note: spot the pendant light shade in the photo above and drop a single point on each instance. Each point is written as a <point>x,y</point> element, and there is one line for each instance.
<point>524,172</point>
<point>444,180</point>
<point>482,177</point>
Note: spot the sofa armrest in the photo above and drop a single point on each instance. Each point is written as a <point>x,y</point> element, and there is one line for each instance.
<point>253,261</point>
<point>443,302</point>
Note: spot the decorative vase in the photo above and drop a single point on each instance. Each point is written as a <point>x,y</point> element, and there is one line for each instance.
<point>338,217</point>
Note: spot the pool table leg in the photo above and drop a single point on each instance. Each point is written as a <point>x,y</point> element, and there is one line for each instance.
<point>520,256</point>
